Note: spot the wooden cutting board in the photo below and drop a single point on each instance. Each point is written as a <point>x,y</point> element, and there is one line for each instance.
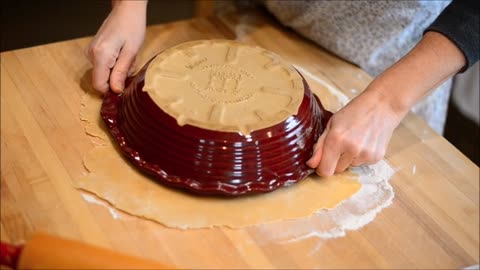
<point>432,223</point>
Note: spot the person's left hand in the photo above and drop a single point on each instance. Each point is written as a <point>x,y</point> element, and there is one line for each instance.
<point>357,134</point>
<point>114,48</point>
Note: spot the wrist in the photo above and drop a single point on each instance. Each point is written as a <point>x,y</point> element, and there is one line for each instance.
<point>384,94</point>
<point>133,12</point>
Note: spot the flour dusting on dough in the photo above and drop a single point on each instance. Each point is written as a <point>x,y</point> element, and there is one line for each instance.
<point>353,213</point>
<point>92,199</point>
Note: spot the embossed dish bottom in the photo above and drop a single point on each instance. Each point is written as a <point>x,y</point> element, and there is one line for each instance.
<point>212,162</point>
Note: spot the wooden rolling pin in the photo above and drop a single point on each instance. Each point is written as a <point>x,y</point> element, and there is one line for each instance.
<point>49,252</point>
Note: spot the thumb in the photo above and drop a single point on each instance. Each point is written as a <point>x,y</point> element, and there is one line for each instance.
<point>121,69</point>
<point>314,161</point>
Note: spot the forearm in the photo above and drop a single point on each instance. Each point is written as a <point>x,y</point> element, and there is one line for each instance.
<point>136,4</point>
<point>459,21</point>
<point>427,65</point>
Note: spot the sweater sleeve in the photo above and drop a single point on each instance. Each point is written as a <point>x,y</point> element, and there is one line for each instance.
<point>460,23</point>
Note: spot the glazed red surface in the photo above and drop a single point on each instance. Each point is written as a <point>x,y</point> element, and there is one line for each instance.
<point>211,162</point>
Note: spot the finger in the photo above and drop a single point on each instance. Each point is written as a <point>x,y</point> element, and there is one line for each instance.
<point>330,155</point>
<point>343,163</point>
<point>120,70</point>
<point>132,68</point>
<point>101,70</point>
<point>360,159</point>
<point>380,149</point>
<point>367,147</point>
<point>100,76</point>
<point>370,155</point>
<point>88,52</point>
<point>317,151</point>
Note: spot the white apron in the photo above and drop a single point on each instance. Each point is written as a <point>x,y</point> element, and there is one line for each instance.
<point>371,34</point>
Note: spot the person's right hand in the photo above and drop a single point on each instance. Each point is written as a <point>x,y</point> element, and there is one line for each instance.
<point>116,44</point>
<point>358,134</point>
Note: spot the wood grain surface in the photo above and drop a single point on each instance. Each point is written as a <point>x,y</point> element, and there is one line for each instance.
<point>432,223</point>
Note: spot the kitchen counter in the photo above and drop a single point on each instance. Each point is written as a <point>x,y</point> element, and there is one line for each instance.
<point>433,221</point>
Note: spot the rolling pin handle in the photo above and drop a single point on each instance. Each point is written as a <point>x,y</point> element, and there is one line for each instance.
<point>9,255</point>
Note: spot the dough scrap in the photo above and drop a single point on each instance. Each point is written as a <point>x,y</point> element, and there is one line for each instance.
<point>90,114</point>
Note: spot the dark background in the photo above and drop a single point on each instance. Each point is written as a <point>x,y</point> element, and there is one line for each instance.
<point>34,22</point>
<point>29,23</point>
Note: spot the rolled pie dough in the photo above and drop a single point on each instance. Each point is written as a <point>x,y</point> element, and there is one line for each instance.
<point>112,178</point>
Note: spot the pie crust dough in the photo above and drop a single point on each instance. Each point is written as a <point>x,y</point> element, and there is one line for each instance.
<point>112,178</point>
<point>224,85</point>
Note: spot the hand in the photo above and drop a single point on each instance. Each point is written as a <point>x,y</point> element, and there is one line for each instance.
<point>360,132</point>
<point>357,134</point>
<point>115,46</point>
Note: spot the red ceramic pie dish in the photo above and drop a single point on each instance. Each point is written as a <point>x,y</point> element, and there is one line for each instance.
<point>212,162</point>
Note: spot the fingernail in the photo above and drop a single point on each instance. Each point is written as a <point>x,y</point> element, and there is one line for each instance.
<point>324,174</point>
<point>309,163</point>
<point>121,85</point>
<point>118,87</point>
